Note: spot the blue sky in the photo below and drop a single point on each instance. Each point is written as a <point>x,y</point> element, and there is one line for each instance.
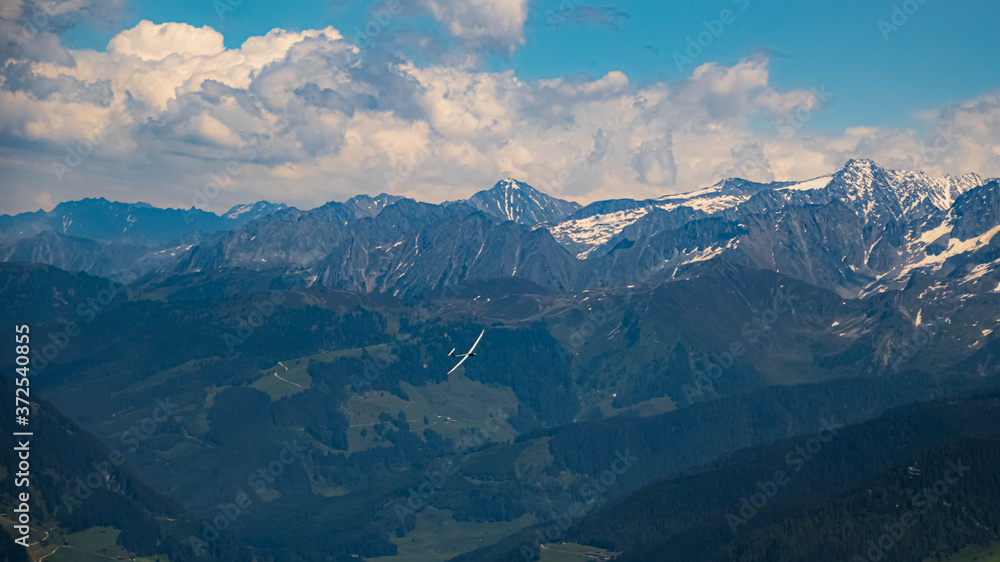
<point>946,51</point>
<point>584,99</point>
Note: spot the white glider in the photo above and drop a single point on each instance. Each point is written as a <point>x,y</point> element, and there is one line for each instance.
<point>465,356</point>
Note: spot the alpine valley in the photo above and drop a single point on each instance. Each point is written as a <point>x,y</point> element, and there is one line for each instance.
<point>647,366</point>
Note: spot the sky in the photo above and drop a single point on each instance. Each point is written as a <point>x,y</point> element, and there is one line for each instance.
<point>212,103</point>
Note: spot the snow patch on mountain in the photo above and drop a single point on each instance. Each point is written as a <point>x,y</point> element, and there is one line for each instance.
<point>707,204</point>
<point>237,211</point>
<point>810,185</point>
<point>595,230</point>
<point>955,247</point>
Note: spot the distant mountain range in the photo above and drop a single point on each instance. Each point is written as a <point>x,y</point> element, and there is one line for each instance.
<point>859,230</point>
<point>138,223</point>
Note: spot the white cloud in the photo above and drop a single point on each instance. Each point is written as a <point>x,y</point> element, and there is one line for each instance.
<point>153,42</point>
<point>654,162</point>
<point>305,117</point>
<point>488,24</point>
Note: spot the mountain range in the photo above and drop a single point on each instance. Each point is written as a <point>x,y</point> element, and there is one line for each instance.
<point>682,329</point>
<point>139,223</point>
<point>857,231</point>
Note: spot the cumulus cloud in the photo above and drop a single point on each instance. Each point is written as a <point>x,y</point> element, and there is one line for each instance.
<point>167,114</point>
<point>484,24</point>
<point>56,16</point>
<point>152,42</point>
<point>30,28</point>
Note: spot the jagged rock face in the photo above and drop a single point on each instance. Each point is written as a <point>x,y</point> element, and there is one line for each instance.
<point>288,239</point>
<point>368,206</point>
<point>976,212</point>
<point>449,251</point>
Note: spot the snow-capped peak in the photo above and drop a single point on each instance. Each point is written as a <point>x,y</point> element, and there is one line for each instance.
<point>874,191</point>
<point>512,200</point>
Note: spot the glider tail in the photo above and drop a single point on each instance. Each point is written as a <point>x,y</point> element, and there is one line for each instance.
<point>451,353</point>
